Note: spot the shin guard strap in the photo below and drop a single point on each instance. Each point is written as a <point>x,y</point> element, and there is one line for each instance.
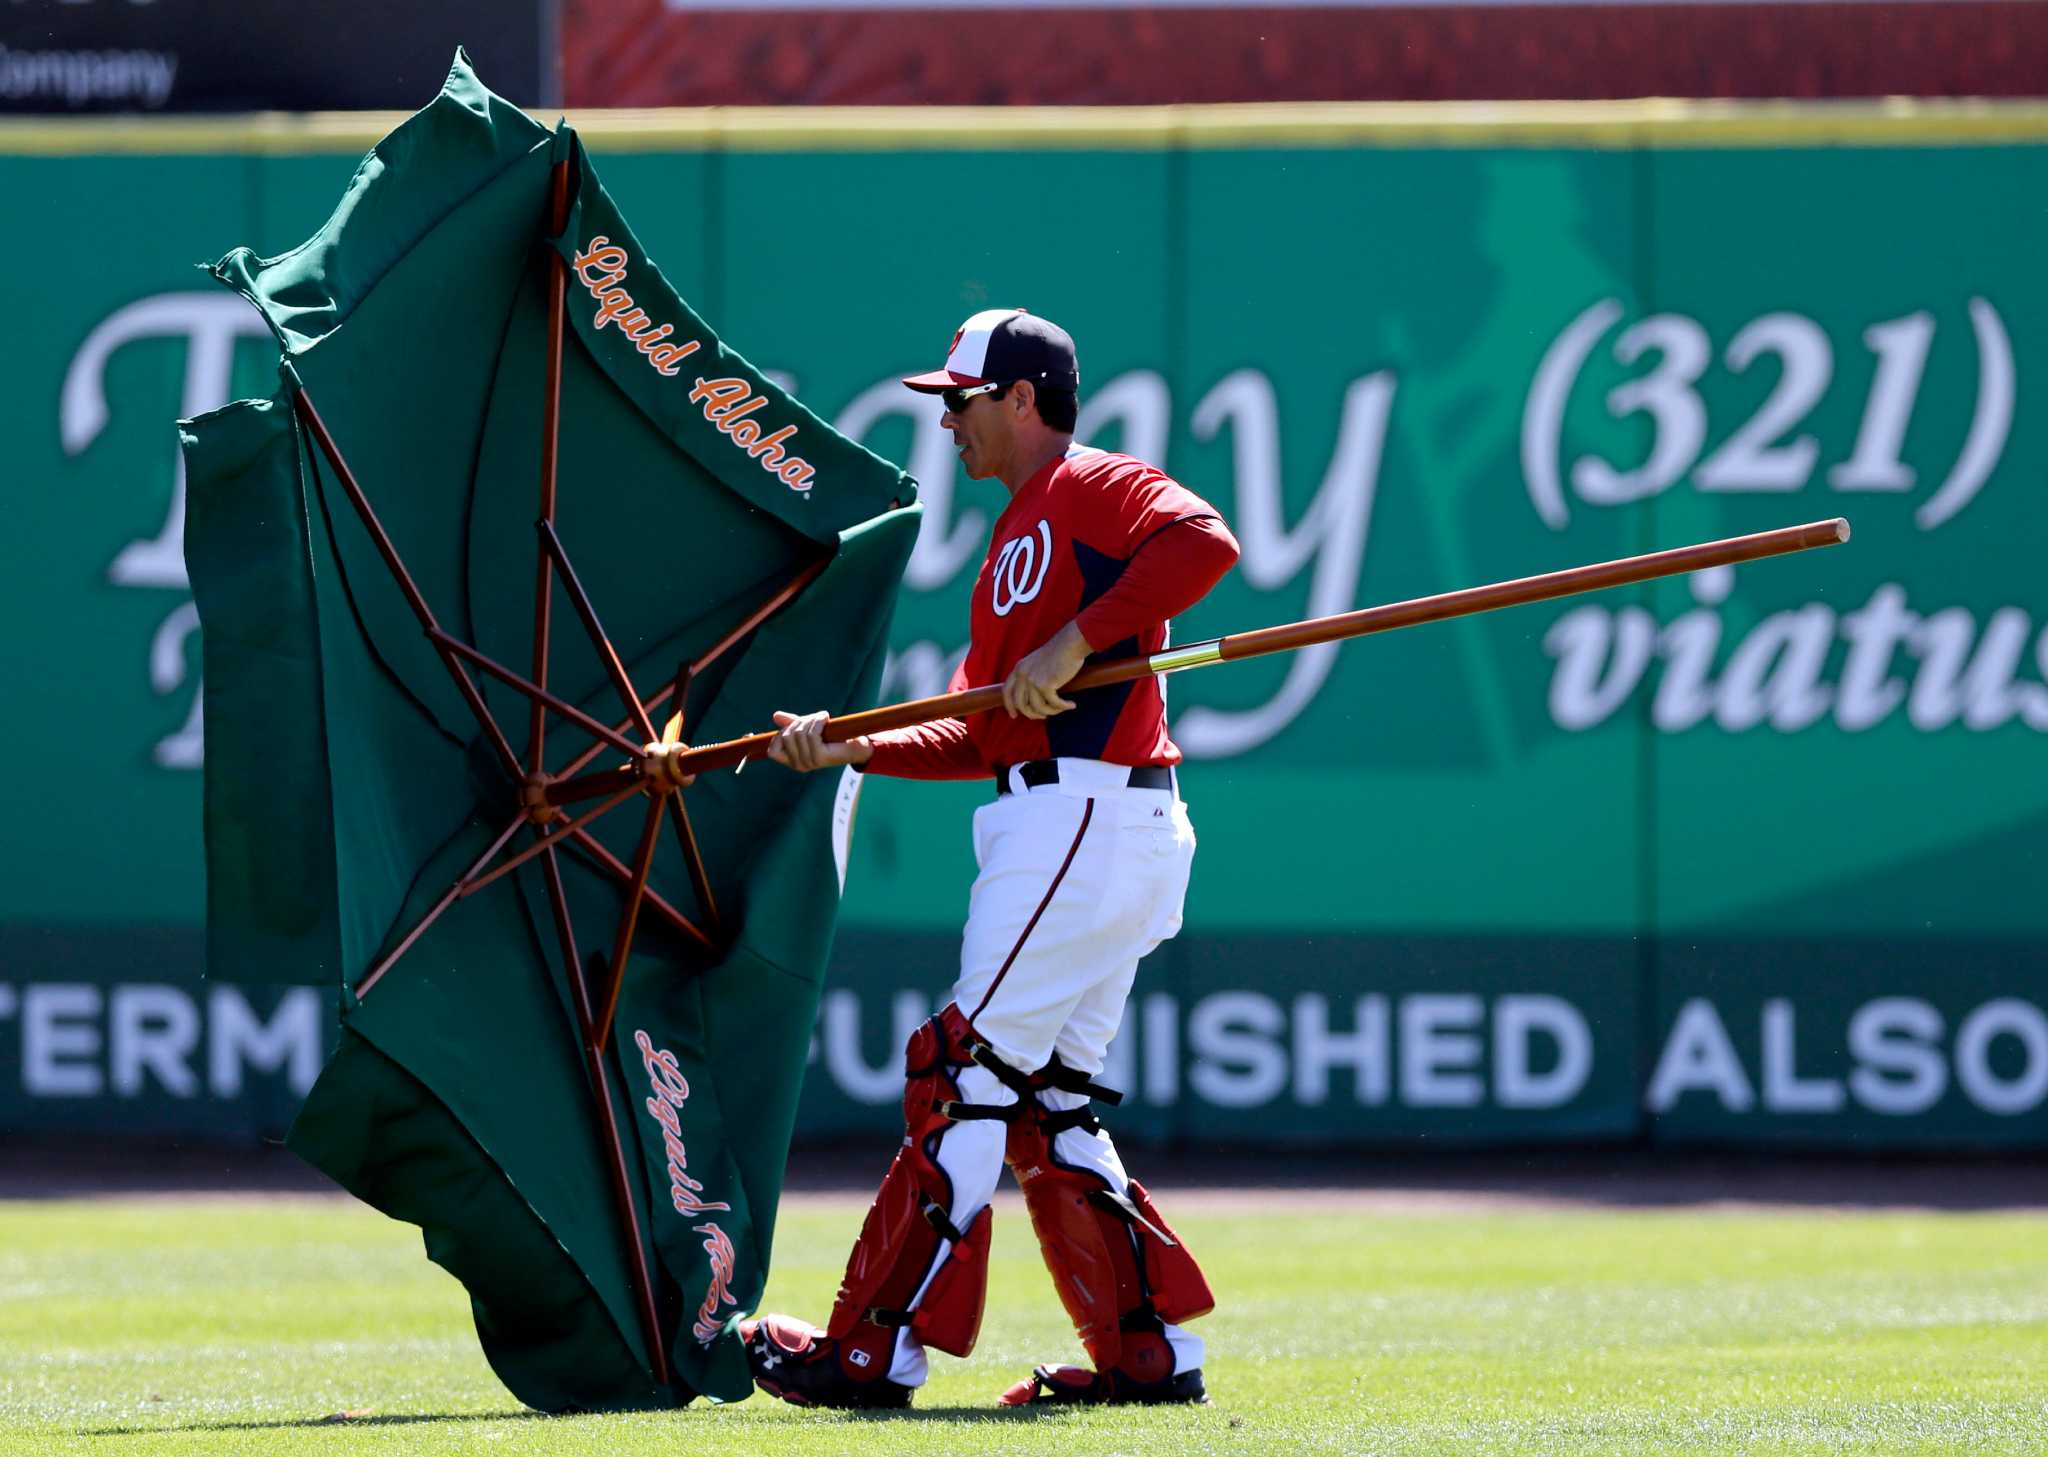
<point>955,1111</point>
<point>1057,1074</point>
<point>1120,1206</point>
<point>1055,1124</point>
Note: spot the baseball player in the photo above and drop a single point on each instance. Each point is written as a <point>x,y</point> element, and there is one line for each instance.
<point>1084,852</point>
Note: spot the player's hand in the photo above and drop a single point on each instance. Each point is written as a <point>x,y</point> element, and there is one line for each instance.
<point>800,744</point>
<point>1032,689</point>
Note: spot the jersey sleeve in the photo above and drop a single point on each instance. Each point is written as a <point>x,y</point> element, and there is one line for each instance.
<point>1132,501</point>
<point>1172,570</point>
<point>938,750</point>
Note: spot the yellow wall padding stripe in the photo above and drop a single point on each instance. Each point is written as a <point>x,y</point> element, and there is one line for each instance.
<point>1893,122</point>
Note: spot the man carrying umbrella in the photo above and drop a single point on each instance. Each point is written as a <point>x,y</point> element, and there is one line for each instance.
<point>1084,856</point>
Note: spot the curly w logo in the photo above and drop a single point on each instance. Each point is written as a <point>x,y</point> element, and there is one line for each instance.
<point>1020,569</point>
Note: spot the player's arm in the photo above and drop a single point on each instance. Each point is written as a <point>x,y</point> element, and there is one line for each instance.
<point>940,750</point>
<point>1172,570</point>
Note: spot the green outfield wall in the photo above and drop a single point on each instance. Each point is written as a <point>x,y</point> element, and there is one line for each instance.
<point>1754,857</point>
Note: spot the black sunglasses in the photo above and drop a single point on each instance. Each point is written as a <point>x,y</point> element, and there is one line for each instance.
<point>955,400</point>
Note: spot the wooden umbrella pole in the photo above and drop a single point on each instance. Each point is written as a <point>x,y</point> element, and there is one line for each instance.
<point>550,442</point>
<point>1288,637</point>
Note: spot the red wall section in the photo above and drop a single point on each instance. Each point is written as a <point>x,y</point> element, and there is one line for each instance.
<point>643,53</point>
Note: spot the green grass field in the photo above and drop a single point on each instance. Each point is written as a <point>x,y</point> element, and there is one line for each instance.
<point>239,1326</point>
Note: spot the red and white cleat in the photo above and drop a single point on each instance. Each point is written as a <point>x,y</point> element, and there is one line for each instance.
<point>794,1360</point>
<point>1104,1388</point>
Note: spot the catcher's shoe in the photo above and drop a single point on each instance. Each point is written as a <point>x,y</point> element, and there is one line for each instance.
<point>1104,1388</point>
<point>796,1361</point>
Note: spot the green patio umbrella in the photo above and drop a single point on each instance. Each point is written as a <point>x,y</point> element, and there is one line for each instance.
<point>514,515</point>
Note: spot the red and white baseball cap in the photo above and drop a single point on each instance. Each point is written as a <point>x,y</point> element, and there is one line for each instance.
<point>1005,345</point>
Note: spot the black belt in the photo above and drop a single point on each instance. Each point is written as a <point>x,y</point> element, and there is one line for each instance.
<point>1047,771</point>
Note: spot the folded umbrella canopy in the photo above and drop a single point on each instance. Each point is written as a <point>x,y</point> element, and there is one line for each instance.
<point>515,515</point>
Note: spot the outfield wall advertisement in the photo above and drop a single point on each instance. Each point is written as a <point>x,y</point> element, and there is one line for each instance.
<point>66,57</point>
<point>1751,856</point>
<point>1520,1042</point>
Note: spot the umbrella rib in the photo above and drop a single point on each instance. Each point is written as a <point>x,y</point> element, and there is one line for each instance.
<point>686,834</point>
<point>616,670</point>
<point>761,614</point>
<point>613,866</point>
<point>537,719</point>
<point>396,566</point>
<point>700,881</point>
<point>448,897</point>
<point>572,961</point>
<point>548,841</point>
<point>711,654</point>
<point>601,1091</point>
<point>629,920</point>
<point>539,695</point>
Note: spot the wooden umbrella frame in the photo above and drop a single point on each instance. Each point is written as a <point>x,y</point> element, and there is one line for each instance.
<point>553,829</point>
<point>659,765</point>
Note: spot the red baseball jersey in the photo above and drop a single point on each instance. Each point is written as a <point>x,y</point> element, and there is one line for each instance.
<point>1087,538</point>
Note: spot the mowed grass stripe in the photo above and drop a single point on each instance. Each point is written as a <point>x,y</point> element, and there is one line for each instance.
<point>235,1326</point>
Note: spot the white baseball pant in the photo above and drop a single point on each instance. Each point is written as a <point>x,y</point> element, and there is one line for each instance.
<point>1079,881</point>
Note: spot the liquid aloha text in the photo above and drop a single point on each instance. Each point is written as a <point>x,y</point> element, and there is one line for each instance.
<point>671,1091</point>
<point>601,268</point>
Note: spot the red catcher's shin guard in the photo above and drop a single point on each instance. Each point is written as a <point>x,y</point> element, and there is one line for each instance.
<point>1118,1266</point>
<point>908,1226</point>
<point>1180,1291</point>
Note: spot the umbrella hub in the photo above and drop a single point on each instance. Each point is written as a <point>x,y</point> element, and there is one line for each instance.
<point>659,769</point>
<point>533,801</point>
